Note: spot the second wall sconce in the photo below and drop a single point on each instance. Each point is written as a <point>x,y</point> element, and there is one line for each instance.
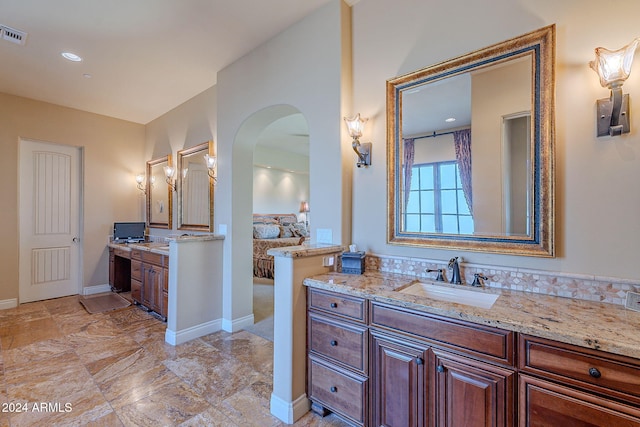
<point>140,182</point>
<point>211,161</point>
<point>355,125</point>
<point>170,172</point>
<point>613,68</point>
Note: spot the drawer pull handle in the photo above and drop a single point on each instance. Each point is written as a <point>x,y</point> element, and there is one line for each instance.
<point>334,305</point>
<point>419,361</point>
<point>334,343</point>
<point>594,372</point>
<point>440,368</point>
<point>333,389</point>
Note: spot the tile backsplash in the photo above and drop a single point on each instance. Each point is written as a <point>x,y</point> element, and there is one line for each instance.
<point>585,287</point>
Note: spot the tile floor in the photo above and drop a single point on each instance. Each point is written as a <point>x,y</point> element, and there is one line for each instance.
<point>60,366</point>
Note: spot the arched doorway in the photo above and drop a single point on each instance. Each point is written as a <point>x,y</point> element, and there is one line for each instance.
<point>260,129</point>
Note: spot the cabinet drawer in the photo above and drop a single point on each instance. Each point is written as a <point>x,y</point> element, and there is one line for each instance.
<point>153,258</point>
<point>339,341</point>
<point>122,253</point>
<point>351,307</point>
<point>344,394</point>
<point>136,270</point>
<point>580,366</point>
<point>490,343</point>
<point>136,254</point>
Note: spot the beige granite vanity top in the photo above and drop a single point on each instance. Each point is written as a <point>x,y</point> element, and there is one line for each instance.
<point>162,248</point>
<point>595,325</point>
<point>305,250</point>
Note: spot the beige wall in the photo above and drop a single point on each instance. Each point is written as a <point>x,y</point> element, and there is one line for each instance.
<point>113,154</point>
<point>597,190</point>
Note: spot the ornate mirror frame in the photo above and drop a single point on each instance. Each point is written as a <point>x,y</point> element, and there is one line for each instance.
<point>540,45</point>
<point>156,182</point>
<point>184,220</point>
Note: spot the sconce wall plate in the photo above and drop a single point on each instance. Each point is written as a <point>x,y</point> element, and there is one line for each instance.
<point>607,125</point>
<point>364,158</point>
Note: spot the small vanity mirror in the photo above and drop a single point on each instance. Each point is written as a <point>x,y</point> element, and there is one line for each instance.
<point>470,146</point>
<point>195,189</point>
<point>159,194</point>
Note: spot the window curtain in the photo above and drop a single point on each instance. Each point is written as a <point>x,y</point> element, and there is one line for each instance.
<point>462,142</point>
<point>409,152</point>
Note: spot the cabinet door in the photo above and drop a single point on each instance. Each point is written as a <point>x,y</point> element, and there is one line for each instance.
<point>148,278</point>
<point>471,393</point>
<point>111,267</point>
<point>545,404</point>
<point>399,382</point>
<point>158,280</point>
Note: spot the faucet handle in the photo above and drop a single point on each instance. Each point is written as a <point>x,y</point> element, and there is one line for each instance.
<point>478,279</point>
<point>440,277</point>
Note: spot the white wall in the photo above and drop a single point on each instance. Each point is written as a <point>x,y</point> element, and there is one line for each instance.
<point>597,194</point>
<point>298,71</point>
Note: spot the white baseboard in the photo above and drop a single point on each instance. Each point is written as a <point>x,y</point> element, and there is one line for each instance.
<point>8,303</point>
<point>179,337</point>
<point>289,412</point>
<point>97,289</point>
<point>237,324</point>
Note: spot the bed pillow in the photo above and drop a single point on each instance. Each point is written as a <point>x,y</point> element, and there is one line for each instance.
<point>286,231</point>
<point>299,229</point>
<point>266,231</point>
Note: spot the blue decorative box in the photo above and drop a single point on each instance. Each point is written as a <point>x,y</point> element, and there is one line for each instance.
<point>353,262</point>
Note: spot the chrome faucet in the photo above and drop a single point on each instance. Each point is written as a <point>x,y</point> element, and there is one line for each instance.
<point>454,266</point>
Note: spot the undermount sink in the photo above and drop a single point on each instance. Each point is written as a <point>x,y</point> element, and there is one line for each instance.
<point>456,295</point>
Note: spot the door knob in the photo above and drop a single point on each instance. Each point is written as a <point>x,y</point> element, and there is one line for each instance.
<point>76,239</point>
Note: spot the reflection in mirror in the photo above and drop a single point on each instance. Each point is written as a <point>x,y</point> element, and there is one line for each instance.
<point>195,189</point>
<point>470,148</point>
<point>159,194</point>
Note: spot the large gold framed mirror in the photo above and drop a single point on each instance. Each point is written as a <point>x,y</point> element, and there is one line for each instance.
<point>195,189</point>
<point>159,194</point>
<point>470,144</point>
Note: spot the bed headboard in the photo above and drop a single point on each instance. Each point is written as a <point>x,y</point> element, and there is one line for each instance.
<point>281,219</point>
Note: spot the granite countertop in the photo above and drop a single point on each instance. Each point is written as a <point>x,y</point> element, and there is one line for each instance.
<point>596,325</point>
<point>162,248</point>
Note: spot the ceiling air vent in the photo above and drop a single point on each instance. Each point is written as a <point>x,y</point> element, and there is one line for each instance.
<point>13,35</point>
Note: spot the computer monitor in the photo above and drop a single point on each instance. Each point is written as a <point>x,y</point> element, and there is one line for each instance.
<point>128,231</point>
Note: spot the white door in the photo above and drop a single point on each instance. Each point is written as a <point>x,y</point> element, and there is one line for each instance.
<point>49,220</point>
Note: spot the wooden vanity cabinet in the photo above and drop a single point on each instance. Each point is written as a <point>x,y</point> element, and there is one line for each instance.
<point>149,273</point>
<point>337,342</point>
<point>562,384</point>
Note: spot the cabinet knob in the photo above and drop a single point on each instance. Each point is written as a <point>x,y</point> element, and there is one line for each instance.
<point>419,361</point>
<point>594,372</point>
<point>440,368</point>
<point>334,343</point>
<point>334,305</point>
<point>333,389</point>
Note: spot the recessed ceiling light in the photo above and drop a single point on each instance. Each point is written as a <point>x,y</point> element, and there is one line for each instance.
<point>86,76</point>
<point>450,119</point>
<point>71,56</point>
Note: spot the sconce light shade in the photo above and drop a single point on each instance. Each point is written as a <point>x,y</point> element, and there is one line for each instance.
<point>355,126</point>
<point>211,166</point>
<point>613,68</point>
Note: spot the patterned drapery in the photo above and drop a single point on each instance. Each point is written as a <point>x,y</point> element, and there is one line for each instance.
<point>409,152</point>
<point>462,142</point>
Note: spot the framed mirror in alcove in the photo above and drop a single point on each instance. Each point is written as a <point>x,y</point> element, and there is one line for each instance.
<point>159,194</point>
<point>195,189</point>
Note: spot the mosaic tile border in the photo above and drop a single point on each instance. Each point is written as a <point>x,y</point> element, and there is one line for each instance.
<point>577,286</point>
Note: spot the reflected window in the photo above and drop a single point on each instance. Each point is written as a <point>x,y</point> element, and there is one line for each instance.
<point>436,200</point>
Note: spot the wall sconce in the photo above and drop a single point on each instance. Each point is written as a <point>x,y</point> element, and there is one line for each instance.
<point>170,172</point>
<point>613,68</point>
<point>211,165</point>
<point>140,182</point>
<point>355,125</point>
<point>304,208</point>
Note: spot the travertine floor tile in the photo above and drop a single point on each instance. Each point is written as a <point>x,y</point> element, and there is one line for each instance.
<point>115,369</point>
